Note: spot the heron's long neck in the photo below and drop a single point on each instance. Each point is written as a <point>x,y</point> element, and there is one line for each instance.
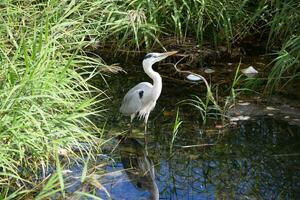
<point>157,82</point>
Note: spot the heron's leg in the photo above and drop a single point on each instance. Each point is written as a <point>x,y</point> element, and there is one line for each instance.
<point>146,144</point>
<point>145,136</point>
<point>145,129</point>
<point>146,122</point>
<point>131,119</point>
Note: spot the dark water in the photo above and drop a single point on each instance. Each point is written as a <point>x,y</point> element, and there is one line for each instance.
<point>256,159</point>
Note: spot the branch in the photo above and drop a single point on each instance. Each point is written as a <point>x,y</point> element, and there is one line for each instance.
<point>209,93</point>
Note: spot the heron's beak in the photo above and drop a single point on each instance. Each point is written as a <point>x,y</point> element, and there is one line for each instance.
<point>169,53</point>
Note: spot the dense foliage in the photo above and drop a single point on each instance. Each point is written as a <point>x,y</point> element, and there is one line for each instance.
<point>45,102</point>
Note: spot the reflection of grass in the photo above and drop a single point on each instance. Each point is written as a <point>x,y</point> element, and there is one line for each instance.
<point>249,161</point>
<point>62,180</point>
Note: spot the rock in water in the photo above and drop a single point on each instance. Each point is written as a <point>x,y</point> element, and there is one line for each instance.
<point>192,77</point>
<point>209,71</point>
<point>249,71</point>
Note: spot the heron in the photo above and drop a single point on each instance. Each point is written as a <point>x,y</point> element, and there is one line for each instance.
<point>141,99</point>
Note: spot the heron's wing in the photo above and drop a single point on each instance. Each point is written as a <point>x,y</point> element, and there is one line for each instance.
<point>132,101</point>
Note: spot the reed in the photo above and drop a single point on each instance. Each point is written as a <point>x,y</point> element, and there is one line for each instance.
<point>143,24</point>
<point>279,21</point>
<point>46,103</point>
<point>285,67</point>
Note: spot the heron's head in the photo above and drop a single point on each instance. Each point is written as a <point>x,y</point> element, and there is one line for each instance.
<point>152,58</point>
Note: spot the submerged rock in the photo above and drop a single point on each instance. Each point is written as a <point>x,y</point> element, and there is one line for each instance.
<point>239,118</point>
<point>209,71</point>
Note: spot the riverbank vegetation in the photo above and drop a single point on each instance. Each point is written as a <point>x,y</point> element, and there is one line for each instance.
<point>46,101</point>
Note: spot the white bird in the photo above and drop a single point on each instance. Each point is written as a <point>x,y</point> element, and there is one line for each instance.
<point>141,99</point>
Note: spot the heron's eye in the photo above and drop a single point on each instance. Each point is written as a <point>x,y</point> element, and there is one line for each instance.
<point>150,55</point>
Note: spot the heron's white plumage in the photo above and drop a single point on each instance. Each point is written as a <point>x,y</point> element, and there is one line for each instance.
<point>132,103</point>
<point>141,99</point>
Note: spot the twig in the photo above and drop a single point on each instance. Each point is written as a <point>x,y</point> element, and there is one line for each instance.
<point>189,72</point>
<point>209,93</point>
<point>197,145</point>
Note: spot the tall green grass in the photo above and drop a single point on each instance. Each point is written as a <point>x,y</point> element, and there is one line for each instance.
<point>286,66</point>
<point>283,22</point>
<point>141,24</point>
<point>279,21</point>
<point>46,102</point>
<point>284,31</point>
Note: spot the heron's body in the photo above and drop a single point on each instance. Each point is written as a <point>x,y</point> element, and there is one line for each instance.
<point>137,100</point>
<point>141,99</point>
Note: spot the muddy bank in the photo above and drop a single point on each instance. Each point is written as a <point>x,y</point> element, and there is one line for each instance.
<point>245,110</point>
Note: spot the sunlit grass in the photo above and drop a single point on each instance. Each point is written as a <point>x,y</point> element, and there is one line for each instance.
<point>46,103</point>
<point>142,24</point>
<point>176,127</point>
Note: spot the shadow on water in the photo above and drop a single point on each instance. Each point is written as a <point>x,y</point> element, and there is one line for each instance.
<point>256,159</point>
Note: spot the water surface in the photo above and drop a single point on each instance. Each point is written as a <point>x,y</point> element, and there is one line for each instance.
<point>255,159</point>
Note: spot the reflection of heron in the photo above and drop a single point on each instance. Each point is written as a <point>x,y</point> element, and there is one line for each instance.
<point>140,169</point>
<point>141,99</point>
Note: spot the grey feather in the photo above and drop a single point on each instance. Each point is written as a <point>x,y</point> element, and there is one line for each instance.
<point>133,100</point>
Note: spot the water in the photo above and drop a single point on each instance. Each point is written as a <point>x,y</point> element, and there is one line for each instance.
<point>255,159</point>
<point>258,160</point>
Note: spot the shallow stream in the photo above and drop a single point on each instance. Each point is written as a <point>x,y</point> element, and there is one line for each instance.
<point>258,158</point>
